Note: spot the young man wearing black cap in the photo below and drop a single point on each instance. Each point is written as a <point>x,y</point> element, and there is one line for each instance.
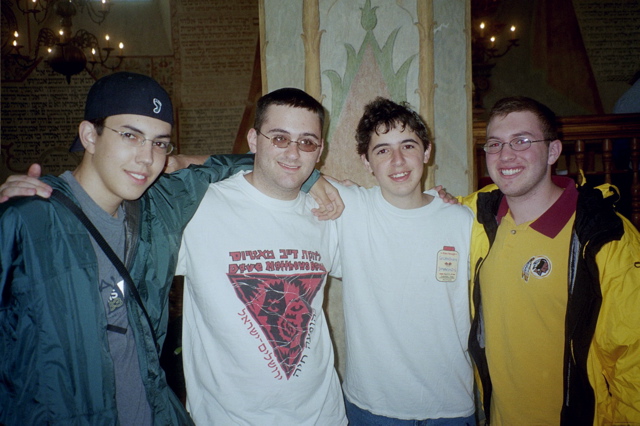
<point>78,344</point>
<point>68,352</point>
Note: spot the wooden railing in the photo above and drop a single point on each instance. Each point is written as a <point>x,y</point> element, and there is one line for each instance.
<point>605,147</point>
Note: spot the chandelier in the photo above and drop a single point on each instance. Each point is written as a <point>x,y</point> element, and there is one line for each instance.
<point>66,53</point>
<point>490,40</point>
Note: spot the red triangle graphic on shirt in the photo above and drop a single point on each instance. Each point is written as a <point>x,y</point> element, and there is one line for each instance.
<point>281,305</point>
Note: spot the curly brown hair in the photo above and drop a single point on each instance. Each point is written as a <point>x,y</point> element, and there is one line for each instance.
<point>382,115</point>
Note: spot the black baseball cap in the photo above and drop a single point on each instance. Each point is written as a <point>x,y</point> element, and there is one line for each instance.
<point>126,93</point>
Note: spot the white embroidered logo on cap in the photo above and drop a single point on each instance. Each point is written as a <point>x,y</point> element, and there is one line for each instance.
<point>158,105</point>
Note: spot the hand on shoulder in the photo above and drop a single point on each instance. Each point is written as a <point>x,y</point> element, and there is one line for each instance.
<point>25,185</point>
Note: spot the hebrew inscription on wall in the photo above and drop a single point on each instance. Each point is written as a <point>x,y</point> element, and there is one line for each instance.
<point>208,129</point>
<point>611,34</point>
<point>40,118</point>
<point>216,52</point>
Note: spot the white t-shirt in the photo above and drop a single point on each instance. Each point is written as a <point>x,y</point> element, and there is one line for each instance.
<point>255,339</point>
<point>405,284</point>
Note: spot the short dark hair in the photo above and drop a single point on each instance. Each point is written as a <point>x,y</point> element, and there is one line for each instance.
<point>291,97</point>
<point>382,115</point>
<point>546,117</point>
<point>98,124</point>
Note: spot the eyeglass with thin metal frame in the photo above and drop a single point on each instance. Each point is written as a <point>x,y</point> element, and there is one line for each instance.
<point>282,141</point>
<point>517,144</point>
<point>135,139</point>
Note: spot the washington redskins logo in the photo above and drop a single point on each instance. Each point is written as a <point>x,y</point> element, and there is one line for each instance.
<point>538,266</point>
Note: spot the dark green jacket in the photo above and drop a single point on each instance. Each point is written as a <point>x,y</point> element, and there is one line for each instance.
<point>55,366</point>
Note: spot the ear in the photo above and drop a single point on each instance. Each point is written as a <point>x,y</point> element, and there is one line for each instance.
<point>320,150</point>
<point>427,154</point>
<point>252,139</point>
<point>555,149</point>
<point>363,157</point>
<point>88,136</point>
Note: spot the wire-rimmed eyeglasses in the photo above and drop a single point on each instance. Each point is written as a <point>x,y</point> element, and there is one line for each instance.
<point>283,141</point>
<point>135,140</point>
<point>517,144</point>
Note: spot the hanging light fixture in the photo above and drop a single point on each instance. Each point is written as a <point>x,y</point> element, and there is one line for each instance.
<point>66,53</point>
<point>490,40</point>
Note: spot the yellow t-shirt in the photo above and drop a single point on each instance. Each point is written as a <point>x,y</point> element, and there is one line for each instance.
<point>523,284</point>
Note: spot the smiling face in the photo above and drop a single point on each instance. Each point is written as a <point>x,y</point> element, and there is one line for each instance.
<point>397,160</point>
<point>111,170</point>
<point>280,172</point>
<point>521,174</point>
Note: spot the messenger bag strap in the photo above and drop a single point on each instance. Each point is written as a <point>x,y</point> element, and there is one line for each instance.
<point>73,207</point>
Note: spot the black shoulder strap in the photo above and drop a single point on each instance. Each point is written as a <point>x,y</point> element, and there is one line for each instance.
<point>73,207</point>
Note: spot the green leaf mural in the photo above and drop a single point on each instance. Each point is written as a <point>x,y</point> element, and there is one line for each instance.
<point>396,80</point>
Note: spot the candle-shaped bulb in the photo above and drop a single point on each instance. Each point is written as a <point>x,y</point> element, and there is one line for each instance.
<point>15,34</point>
<point>106,37</point>
<point>121,46</point>
<point>93,51</point>
<point>493,41</point>
<point>482,26</point>
<point>513,32</point>
<point>15,43</point>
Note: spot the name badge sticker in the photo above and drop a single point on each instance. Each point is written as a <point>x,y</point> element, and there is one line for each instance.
<point>447,267</point>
